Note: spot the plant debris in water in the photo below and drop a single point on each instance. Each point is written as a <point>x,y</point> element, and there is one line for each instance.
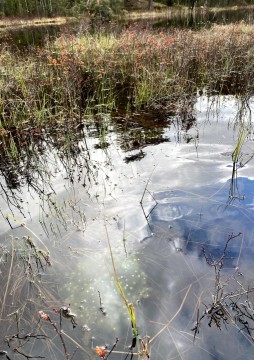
<point>229,306</point>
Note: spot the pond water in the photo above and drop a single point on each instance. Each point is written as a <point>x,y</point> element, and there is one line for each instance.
<point>28,37</point>
<point>205,17</point>
<point>159,211</point>
<point>31,36</point>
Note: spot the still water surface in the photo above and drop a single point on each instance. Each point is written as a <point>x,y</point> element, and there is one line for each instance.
<point>159,211</point>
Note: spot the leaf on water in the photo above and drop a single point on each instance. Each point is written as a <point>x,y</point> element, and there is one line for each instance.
<point>101,352</point>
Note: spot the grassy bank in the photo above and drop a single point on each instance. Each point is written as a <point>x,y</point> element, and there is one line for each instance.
<point>135,69</point>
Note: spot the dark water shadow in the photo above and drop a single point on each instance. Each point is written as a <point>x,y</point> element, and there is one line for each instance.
<point>29,37</point>
<point>203,17</point>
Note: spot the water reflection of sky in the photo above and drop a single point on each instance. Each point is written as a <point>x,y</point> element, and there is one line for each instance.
<point>172,258</point>
<point>189,184</point>
<point>207,218</point>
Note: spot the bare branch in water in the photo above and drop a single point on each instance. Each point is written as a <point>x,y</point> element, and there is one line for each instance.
<point>227,307</point>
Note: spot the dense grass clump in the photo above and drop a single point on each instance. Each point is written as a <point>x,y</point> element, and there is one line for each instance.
<point>134,69</point>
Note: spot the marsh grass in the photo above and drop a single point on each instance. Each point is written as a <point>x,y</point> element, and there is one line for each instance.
<point>49,95</point>
<point>236,161</point>
<point>134,69</point>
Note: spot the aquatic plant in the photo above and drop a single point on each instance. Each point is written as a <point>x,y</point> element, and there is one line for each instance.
<point>136,68</point>
<point>228,306</point>
<point>21,265</point>
<point>236,160</point>
<point>129,306</point>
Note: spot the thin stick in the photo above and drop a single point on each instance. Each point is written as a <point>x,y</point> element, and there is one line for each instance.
<point>180,308</point>
<point>175,344</point>
<point>76,343</point>
<point>28,229</point>
<point>8,281</point>
<point>60,334</point>
<point>141,201</point>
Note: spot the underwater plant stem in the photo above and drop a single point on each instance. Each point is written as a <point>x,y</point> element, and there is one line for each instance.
<point>129,306</point>
<point>28,229</point>
<point>168,323</point>
<point>9,277</point>
<point>60,334</point>
<point>75,342</point>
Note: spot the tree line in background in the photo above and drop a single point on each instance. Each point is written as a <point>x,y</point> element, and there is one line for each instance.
<point>37,7</point>
<point>76,7</point>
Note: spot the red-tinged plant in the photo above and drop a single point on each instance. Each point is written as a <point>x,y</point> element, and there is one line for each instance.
<point>43,316</point>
